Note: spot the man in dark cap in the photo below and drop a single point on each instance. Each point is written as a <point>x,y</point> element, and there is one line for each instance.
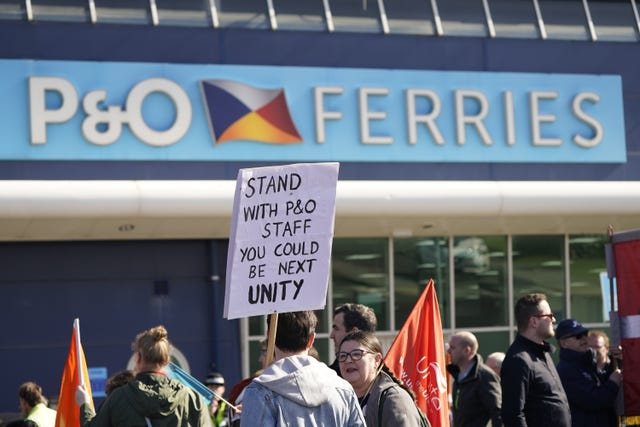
<point>218,408</point>
<point>591,399</point>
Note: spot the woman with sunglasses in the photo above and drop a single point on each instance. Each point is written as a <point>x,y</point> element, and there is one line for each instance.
<point>360,358</point>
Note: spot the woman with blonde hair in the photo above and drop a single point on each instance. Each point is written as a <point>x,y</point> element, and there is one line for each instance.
<point>151,399</point>
<point>384,400</point>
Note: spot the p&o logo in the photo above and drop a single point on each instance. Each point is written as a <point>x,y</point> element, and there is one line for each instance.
<point>237,111</point>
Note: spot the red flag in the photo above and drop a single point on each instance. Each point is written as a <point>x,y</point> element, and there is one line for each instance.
<point>75,373</point>
<point>627,264</point>
<point>417,357</point>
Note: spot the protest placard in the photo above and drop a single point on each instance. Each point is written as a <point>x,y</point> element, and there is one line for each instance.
<point>280,240</point>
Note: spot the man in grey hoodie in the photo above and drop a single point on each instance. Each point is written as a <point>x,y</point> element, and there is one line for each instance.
<point>297,389</point>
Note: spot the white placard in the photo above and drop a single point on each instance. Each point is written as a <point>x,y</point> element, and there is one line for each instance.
<point>280,239</point>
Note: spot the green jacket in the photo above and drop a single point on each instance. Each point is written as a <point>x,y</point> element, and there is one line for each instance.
<point>164,401</point>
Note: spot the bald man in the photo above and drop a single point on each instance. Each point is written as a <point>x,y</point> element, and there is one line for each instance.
<point>477,395</point>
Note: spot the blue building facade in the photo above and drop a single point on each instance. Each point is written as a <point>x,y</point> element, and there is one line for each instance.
<point>138,236</point>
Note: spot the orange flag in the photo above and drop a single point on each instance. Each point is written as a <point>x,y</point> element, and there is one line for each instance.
<point>417,357</point>
<point>75,373</point>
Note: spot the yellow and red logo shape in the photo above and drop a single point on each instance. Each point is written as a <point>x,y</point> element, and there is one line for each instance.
<point>237,111</point>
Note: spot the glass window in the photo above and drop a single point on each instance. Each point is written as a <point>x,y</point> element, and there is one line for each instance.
<point>183,12</point>
<point>360,16</point>
<point>416,260</point>
<point>538,267</point>
<point>300,15</point>
<point>324,321</point>
<point>60,10</point>
<point>489,342</point>
<point>255,350</point>
<point>463,18</point>
<point>119,12</point>
<point>481,281</point>
<point>614,21</point>
<point>322,345</point>
<point>586,255</point>
<point>564,19</point>
<point>410,17</point>
<point>514,18</point>
<point>13,9</point>
<point>250,14</point>
<point>258,326</point>
<point>360,272</point>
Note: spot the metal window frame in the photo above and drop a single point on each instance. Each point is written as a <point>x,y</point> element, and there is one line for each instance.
<point>487,14</point>
<point>567,277</point>
<point>436,18</point>
<point>28,7</point>
<point>213,13</point>
<point>271,13</point>
<point>513,327</point>
<point>541,27</point>
<point>328,16</point>
<point>634,7</point>
<point>387,335</point>
<point>153,9</point>
<point>392,283</point>
<point>384,22</point>
<point>451,283</point>
<point>587,14</point>
<point>383,18</point>
<point>93,15</point>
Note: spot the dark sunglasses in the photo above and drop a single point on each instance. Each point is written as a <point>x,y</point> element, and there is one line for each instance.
<point>550,316</point>
<point>578,336</point>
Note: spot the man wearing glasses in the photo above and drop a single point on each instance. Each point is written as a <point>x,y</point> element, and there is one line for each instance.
<point>532,393</point>
<point>591,398</point>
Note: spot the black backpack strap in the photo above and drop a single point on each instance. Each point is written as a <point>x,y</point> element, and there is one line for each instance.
<point>381,399</point>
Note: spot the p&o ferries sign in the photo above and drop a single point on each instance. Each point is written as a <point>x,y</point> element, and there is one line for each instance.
<point>66,110</point>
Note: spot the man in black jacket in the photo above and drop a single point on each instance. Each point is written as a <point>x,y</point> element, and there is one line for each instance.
<point>476,388</point>
<point>532,393</point>
<point>591,397</point>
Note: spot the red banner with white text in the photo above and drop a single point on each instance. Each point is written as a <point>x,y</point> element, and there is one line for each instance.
<point>417,357</point>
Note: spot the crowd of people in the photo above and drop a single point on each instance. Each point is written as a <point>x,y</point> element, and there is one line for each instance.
<point>522,387</point>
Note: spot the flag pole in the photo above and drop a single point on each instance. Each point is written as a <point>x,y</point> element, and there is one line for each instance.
<point>611,287</point>
<point>229,404</point>
<point>271,339</point>
<point>185,378</point>
<point>76,330</point>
